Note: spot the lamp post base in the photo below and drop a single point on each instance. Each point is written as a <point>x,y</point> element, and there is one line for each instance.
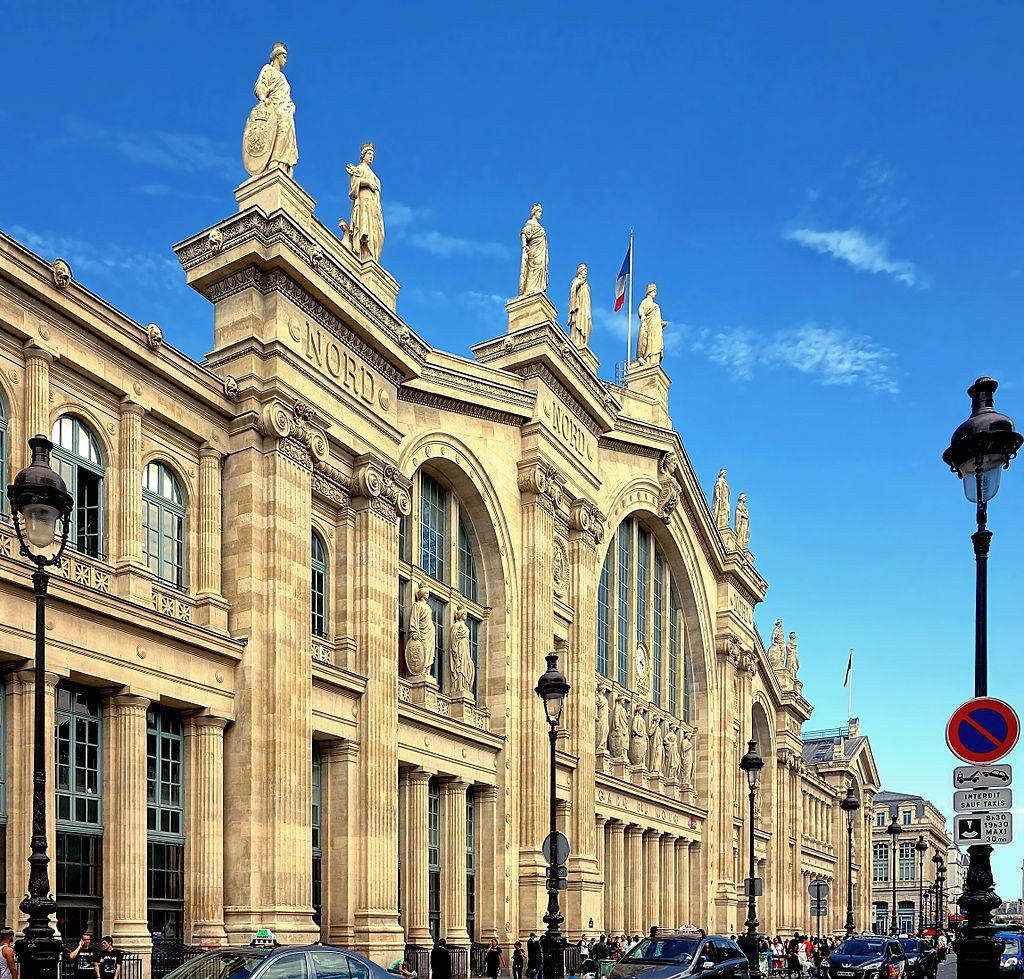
<point>751,949</point>
<point>552,946</point>
<point>977,951</point>
<point>38,958</point>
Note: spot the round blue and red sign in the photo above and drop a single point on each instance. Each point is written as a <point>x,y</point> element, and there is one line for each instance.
<point>983,730</point>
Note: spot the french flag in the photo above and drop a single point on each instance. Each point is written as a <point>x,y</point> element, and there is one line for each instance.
<point>622,282</point>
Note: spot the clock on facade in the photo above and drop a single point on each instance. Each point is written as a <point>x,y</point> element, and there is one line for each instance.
<point>641,663</point>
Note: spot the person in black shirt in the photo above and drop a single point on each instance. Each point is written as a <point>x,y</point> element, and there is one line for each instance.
<point>494,959</point>
<point>441,961</point>
<point>601,950</point>
<point>518,961</point>
<point>84,957</point>
<point>534,959</point>
<point>108,965</point>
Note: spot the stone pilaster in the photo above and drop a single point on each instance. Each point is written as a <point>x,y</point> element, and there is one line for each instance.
<point>268,784</point>
<point>124,817</point>
<point>490,883</point>
<point>600,822</point>
<point>614,895</point>
<point>379,495</point>
<point>453,862</point>
<point>698,883</point>
<point>339,820</point>
<point>669,910</point>
<point>634,873</point>
<point>133,578</point>
<point>684,915</point>
<point>37,406</point>
<point>204,829</point>
<point>20,741</point>
<point>211,608</point>
<point>416,873</point>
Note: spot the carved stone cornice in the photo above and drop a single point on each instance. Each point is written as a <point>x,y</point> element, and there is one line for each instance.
<point>383,486</point>
<point>298,438</point>
<point>331,484</point>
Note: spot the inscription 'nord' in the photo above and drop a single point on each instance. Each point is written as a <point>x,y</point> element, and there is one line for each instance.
<point>569,430</point>
<point>348,370</point>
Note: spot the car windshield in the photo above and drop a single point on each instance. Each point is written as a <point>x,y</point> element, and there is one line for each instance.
<point>861,946</point>
<point>226,964</point>
<point>1012,945</point>
<point>663,950</point>
<point>910,945</point>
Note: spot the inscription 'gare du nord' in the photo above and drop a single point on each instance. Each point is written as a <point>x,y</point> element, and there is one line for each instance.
<point>640,808</point>
<point>324,351</point>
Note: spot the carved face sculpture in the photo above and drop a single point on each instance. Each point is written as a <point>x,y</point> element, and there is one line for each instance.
<point>368,154</point>
<point>652,289</point>
<point>61,274</point>
<point>581,271</point>
<point>536,211</point>
<point>722,474</point>
<point>279,56</point>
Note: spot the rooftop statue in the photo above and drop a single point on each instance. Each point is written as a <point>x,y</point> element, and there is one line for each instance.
<point>364,234</point>
<point>777,650</point>
<point>720,501</point>
<point>533,272</point>
<point>792,659</point>
<point>742,523</point>
<point>268,142</point>
<point>579,308</point>
<point>650,341</point>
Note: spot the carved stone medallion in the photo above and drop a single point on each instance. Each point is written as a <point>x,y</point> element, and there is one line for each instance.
<point>560,569</point>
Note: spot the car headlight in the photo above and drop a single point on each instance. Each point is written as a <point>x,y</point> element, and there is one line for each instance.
<point>1011,961</point>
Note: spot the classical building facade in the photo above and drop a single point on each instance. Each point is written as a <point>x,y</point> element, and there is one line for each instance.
<point>911,867</point>
<point>310,585</point>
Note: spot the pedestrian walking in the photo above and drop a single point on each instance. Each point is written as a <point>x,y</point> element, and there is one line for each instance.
<point>441,961</point>
<point>108,963</point>
<point>600,949</point>
<point>494,959</point>
<point>518,961</point>
<point>8,965</point>
<point>534,959</point>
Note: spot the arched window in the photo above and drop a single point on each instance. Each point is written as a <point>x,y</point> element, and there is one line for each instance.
<point>78,459</point>
<point>638,606</point>
<point>318,587</point>
<point>163,524</point>
<point>431,555</point>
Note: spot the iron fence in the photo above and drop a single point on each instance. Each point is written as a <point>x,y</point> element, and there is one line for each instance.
<point>167,956</point>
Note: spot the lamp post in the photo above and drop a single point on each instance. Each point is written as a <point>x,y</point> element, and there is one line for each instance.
<point>937,860</point>
<point>978,451</point>
<point>929,894</point>
<point>751,764</point>
<point>922,849</point>
<point>894,829</point>
<point>943,915</point>
<point>39,502</point>
<point>851,806</point>
<point>553,688</point>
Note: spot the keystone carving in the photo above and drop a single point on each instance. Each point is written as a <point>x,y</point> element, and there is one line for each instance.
<point>61,272</point>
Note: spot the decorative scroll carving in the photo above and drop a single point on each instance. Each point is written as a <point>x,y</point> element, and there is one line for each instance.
<point>542,479</point>
<point>585,517</point>
<point>384,486</point>
<point>668,499</point>
<point>300,438</point>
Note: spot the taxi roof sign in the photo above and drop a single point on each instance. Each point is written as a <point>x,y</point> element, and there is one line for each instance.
<point>264,936</point>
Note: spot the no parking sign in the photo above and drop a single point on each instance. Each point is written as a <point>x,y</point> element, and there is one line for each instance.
<point>983,730</point>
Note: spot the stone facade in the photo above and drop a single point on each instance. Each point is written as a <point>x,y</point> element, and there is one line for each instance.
<point>201,646</point>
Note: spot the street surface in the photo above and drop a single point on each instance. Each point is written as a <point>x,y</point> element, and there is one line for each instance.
<point>947,970</point>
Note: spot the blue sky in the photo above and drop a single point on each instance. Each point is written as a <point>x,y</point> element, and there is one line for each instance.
<point>829,197</point>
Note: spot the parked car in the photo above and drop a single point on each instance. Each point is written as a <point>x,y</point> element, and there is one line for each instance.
<point>1011,964</point>
<point>922,957</point>
<point>874,956</point>
<point>675,954</point>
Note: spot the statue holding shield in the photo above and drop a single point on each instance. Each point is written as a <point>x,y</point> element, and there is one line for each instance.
<point>268,142</point>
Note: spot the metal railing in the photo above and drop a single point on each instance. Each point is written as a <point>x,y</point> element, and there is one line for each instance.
<point>167,956</point>
<point>131,966</point>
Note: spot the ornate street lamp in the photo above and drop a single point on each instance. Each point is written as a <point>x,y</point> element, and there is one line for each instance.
<point>894,829</point>
<point>922,849</point>
<point>40,505</point>
<point>851,806</point>
<point>978,452</point>
<point>929,895</point>
<point>751,764</point>
<point>553,688</point>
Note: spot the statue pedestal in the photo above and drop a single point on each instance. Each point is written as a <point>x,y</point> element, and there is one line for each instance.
<point>422,688</point>
<point>381,283</point>
<point>601,761</point>
<point>462,707</point>
<point>620,768</point>
<point>651,382</point>
<point>276,191</point>
<point>638,776</point>
<point>656,783</point>
<point>588,358</point>
<point>530,311</point>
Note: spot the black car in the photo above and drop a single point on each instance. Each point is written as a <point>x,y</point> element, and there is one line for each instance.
<point>673,955</point>
<point>869,955</point>
<point>280,962</point>
<point>922,957</point>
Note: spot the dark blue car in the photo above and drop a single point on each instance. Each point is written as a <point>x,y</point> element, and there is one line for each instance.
<point>1011,964</point>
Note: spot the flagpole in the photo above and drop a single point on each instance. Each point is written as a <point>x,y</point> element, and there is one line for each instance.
<point>849,706</point>
<point>629,311</point>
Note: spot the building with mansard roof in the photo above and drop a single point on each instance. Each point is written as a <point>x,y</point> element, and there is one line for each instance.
<point>309,589</point>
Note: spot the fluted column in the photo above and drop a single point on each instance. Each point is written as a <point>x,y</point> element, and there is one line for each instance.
<point>684,914</point>
<point>599,823</point>
<point>667,918</point>
<point>453,862</point>
<point>204,829</point>
<point>652,880</point>
<point>698,890</point>
<point>634,874</point>
<point>212,608</point>
<point>339,822</point>
<point>490,885</point>
<point>21,719</point>
<point>615,916</point>
<point>416,873</point>
<point>37,412</point>
<point>124,817</point>
<point>129,544</point>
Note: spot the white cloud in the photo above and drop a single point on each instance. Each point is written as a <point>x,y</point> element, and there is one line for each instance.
<point>89,258</point>
<point>857,250</point>
<point>407,222</point>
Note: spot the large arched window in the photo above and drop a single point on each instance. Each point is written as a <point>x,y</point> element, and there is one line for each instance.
<point>163,524</point>
<point>318,587</point>
<point>640,635</point>
<point>78,459</point>
<point>438,550</point>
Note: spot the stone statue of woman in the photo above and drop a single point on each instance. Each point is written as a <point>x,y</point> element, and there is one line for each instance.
<point>620,729</point>
<point>672,752</point>
<point>742,523</point>
<point>686,760</point>
<point>650,341</point>
<point>461,666</point>
<point>364,234</point>
<point>638,739</point>
<point>533,272</point>
<point>777,650</point>
<point>269,138</point>
<point>580,319</point>
<point>601,721</point>
<point>720,501</point>
<point>656,753</point>
<point>420,635</point>
<point>792,660</point>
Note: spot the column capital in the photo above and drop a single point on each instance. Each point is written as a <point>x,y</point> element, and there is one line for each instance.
<point>633,830</point>
<point>487,793</point>
<point>33,351</point>
<point>601,820</point>
<point>127,702</point>
<point>417,776</point>
<point>617,826</point>
<point>453,786</point>
<point>668,839</point>
<point>209,451</point>
<point>211,722</point>
<point>129,406</point>
<point>28,677</point>
<point>651,833</point>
